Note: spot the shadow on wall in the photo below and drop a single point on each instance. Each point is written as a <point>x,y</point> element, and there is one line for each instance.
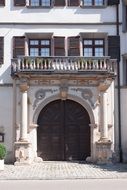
<point>5,77</point>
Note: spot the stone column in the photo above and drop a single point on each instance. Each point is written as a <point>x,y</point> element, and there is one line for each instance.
<point>103,114</point>
<point>103,146</point>
<point>23,149</point>
<point>24,115</point>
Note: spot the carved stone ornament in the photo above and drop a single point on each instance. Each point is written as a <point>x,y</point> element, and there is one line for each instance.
<point>104,85</point>
<point>23,87</point>
<point>63,89</point>
<point>86,94</point>
<point>40,95</point>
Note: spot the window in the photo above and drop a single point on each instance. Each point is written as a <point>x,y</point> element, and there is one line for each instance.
<point>2,2</point>
<point>19,2</point>
<point>1,49</point>
<point>125,72</point>
<point>43,3</point>
<point>73,2</point>
<point>93,2</point>
<point>93,47</point>
<point>39,47</point>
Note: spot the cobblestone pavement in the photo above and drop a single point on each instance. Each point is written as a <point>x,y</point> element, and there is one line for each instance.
<point>64,170</point>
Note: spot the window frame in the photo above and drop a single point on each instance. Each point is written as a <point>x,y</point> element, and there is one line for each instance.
<point>39,46</point>
<point>40,5</point>
<point>2,48</point>
<point>93,45</point>
<point>2,4</point>
<point>93,5</point>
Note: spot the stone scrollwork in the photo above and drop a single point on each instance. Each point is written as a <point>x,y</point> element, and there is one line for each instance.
<point>40,95</point>
<point>86,94</point>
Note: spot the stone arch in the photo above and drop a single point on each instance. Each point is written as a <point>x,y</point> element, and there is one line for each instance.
<point>79,100</point>
<point>84,104</point>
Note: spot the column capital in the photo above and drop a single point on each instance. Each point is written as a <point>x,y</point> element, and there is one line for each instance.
<point>23,87</point>
<point>104,85</point>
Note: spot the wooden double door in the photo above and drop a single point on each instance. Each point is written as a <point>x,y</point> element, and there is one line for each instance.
<point>63,132</point>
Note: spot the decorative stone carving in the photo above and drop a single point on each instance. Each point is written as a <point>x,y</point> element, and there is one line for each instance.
<point>23,153</point>
<point>104,85</point>
<point>32,126</point>
<point>23,87</point>
<point>40,95</point>
<point>86,94</point>
<point>103,152</point>
<point>63,89</point>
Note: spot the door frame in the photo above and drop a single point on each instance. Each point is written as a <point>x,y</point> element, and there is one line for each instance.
<point>84,104</point>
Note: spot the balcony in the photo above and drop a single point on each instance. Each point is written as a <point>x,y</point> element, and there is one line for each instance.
<point>63,65</point>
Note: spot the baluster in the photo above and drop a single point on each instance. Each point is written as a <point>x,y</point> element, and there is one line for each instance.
<point>97,64</point>
<point>110,65</point>
<point>49,64</point>
<point>53,65</point>
<point>19,65</point>
<point>22,63</point>
<point>44,66</point>
<point>33,63</point>
<point>25,63</point>
<point>89,65</point>
<point>62,64</point>
<point>69,65</point>
<point>78,64</point>
<point>94,64</point>
<point>66,65</point>
<point>86,65</point>
<point>101,65</point>
<point>105,64</point>
<point>73,65</point>
<point>82,64</point>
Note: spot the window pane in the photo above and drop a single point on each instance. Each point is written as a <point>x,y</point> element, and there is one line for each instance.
<point>45,52</point>
<point>34,42</point>
<point>99,52</point>
<point>88,52</point>
<point>45,42</point>
<point>45,2</point>
<point>87,42</point>
<point>34,2</point>
<point>99,2</point>
<point>34,52</point>
<point>99,42</point>
<point>87,2</point>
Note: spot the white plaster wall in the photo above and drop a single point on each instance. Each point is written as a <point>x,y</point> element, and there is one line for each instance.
<point>9,13</point>
<point>124,123</point>
<point>6,117</point>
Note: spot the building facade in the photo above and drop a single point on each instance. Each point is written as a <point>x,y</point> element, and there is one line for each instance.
<point>60,94</point>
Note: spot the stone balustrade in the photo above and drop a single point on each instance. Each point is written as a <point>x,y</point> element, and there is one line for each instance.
<point>63,64</point>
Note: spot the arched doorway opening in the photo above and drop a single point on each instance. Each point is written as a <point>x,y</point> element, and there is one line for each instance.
<point>63,132</point>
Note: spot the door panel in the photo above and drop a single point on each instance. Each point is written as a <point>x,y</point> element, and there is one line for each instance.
<point>63,132</point>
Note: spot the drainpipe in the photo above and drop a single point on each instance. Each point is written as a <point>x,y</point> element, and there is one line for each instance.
<point>119,91</point>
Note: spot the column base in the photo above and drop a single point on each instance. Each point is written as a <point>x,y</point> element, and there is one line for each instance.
<point>23,153</point>
<point>103,151</point>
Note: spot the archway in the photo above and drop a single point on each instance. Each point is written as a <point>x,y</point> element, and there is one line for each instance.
<point>63,132</point>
